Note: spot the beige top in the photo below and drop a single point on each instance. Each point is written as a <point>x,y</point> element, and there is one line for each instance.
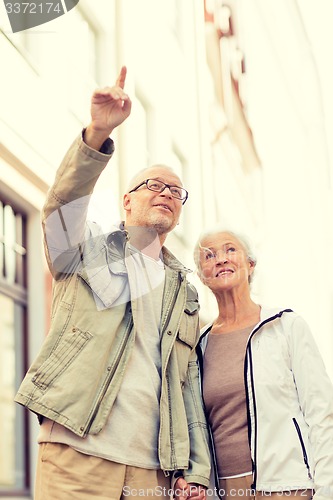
<point>225,400</point>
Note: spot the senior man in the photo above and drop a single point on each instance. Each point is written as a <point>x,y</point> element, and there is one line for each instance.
<point>116,384</point>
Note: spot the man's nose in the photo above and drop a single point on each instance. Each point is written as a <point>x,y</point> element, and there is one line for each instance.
<point>166,192</point>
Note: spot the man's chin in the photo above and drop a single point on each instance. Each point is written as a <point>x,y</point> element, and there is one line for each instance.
<point>164,226</point>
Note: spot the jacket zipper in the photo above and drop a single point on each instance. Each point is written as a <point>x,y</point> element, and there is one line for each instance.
<point>248,361</point>
<point>110,375</point>
<point>179,281</point>
<point>305,456</point>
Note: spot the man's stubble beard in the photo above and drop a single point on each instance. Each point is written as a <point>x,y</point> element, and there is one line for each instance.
<point>163,225</point>
<point>159,222</point>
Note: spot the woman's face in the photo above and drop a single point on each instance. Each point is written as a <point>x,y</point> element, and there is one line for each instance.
<point>223,262</point>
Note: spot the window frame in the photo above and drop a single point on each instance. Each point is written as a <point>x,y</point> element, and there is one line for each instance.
<point>17,291</point>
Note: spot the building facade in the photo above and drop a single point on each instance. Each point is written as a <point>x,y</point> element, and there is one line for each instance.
<point>193,69</point>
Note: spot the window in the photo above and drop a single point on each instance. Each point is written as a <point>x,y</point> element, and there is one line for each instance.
<point>14,472</point>
<point>178,163</point>
<point>174,14</point>
<point>82,68</point>
<point>140,127</point>
<point>23,43</point>
<point>83,44</point>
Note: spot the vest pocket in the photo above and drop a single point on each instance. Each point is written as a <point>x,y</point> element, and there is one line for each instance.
<point>188,331</point>
<point>61,357</point>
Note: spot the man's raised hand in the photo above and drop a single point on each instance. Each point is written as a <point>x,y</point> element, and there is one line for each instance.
<point>110,106</point>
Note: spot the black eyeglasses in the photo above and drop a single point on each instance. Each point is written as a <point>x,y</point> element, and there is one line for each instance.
<point>154,185</point>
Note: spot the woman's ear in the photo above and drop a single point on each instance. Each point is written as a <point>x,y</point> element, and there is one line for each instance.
<point>252,265</point>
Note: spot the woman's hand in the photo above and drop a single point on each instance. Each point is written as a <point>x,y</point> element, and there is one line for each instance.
<point>184,490</point>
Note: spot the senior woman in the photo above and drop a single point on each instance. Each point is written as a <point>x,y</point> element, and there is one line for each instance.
<point>268,398</point>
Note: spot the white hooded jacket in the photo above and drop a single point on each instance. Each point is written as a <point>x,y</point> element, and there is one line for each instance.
<point>290,406</point>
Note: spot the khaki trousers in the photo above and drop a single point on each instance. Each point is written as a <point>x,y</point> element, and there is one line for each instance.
<point>239,488</point>
<point>66,474</point>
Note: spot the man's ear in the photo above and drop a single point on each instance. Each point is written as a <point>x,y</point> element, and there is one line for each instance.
<point>127,201</point>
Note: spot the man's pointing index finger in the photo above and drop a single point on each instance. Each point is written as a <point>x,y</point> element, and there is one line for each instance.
<point>122,77</point>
